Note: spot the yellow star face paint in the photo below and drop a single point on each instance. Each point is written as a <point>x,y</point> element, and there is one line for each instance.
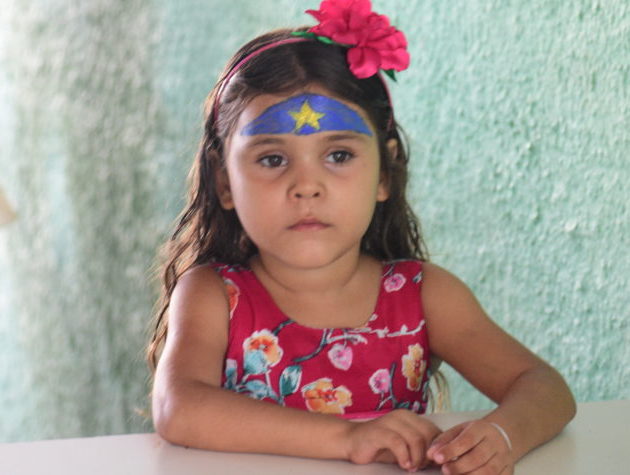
<point>306,116</point>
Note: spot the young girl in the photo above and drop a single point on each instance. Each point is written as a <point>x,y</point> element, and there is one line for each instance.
<point>297,291</point>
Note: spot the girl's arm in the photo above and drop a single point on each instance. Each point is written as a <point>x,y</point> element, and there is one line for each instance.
<point>534,402</point>
<point>191,409</point>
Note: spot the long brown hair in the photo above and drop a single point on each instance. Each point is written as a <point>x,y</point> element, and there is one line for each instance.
<point>208,233</point>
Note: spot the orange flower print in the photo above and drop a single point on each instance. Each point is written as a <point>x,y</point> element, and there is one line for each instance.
<point>413,367</point>
<point>233,292</point>
<point>261,351</point>
<point>321,396</point>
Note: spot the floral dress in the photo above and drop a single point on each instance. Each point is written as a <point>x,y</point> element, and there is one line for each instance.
<point>352,372</point>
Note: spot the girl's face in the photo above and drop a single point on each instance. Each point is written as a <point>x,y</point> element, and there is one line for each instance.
<point>302,171</point>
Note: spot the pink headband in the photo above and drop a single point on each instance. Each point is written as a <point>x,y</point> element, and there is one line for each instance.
<point>253,54</point>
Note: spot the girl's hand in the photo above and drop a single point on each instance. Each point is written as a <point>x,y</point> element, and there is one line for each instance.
<point>400,436</point>
<point>474,447</point>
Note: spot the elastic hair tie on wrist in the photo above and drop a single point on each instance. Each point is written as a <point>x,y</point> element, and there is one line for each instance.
<point>503,433</point>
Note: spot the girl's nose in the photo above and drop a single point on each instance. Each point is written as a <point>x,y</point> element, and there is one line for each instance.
<point>306,190</point>
<point>306,184</point>
<point>306,194</point>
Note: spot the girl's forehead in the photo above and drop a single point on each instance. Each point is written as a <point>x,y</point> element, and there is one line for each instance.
<point>301,113</point>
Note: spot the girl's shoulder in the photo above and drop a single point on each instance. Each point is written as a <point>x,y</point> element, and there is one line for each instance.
<point>212,273</point>
<point>440,283</point>
<point>437,283</point>
<point>201,274</point>
<point>453,314</point>
<point>197,287</point>
<point>443,290</point>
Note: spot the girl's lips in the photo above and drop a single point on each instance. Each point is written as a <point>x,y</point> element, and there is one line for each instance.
<point>308,225</point>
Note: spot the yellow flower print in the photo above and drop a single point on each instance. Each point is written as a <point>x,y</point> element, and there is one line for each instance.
<point>264,346</point>
<point>321,396</point>
<point>413,367</point>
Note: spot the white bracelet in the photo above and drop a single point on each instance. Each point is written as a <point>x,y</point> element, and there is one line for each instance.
<point>503,433</point>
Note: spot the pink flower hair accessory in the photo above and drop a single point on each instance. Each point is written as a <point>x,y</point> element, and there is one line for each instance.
<point>373,44</point>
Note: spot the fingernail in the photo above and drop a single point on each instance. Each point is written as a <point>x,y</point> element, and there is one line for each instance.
<point>439,458</point>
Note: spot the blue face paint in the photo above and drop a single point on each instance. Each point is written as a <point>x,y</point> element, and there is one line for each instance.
<point>307,114</point>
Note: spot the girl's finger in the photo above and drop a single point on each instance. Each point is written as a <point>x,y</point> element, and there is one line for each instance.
<point>468,438</point>
<point>495,464</point>
<point>416,451</point>
<point>478,457</point>
<point>443,439</point>
<point>398,446</point>
<point>417,433</point>
<point>418,444</point>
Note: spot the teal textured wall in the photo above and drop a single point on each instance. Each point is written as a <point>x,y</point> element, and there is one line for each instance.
<point>518,115</point>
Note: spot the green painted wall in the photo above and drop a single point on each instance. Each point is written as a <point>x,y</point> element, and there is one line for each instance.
<point>519,121</point>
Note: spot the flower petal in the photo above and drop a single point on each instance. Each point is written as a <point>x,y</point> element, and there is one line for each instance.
<point>397,59</point>
<point>364,62</point>
<point>376,44</point>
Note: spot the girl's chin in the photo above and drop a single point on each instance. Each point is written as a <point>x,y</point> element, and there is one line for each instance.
<point>304,259</point>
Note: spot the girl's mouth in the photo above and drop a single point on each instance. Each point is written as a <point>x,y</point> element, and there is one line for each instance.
<point>308,224</point>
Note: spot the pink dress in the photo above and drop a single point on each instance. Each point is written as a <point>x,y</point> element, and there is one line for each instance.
<point>352,372</point>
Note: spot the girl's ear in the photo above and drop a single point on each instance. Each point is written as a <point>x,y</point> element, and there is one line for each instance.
<point>224,192</point>
<point>383,186</point>
<point>392,148</point>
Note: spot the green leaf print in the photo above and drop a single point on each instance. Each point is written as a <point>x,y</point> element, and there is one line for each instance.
<point>290,380</point>
<point>259,390</point>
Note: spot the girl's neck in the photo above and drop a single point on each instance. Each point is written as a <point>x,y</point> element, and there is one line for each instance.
<point>335,276</point>
<point>342,294</point>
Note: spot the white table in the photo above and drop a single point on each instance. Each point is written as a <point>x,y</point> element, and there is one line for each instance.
<point>596,442</point>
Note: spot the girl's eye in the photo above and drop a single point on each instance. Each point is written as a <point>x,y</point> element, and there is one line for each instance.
<point>339,157</point>
<point>272,161</point>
